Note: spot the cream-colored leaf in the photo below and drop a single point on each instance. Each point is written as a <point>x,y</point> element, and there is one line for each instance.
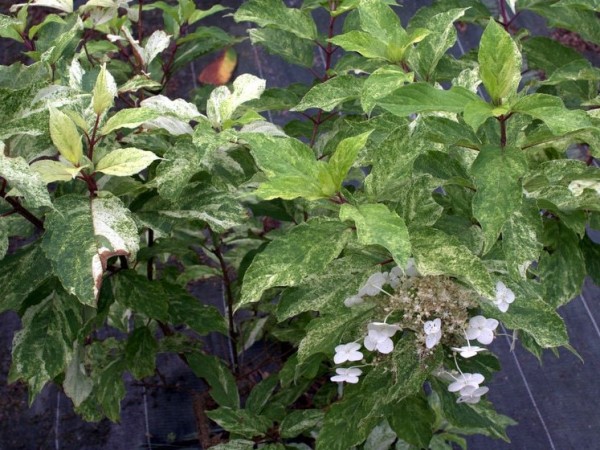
<point>125,161</point>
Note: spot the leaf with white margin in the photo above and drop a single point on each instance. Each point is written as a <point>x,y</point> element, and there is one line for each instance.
<point>65,136</point>
<point>63,5</point>
<point>77,385</point>
<point>222,103</point>
<point>177,108</point>
<point>157,42</point>
<point>104,91</point>
<point>76,74</point>
<point>124,162</point>
<point>51,171</point>
<point>26,181</point>
<point>82,234</point>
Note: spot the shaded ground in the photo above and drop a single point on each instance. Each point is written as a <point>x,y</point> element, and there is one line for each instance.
<point>553,403</point>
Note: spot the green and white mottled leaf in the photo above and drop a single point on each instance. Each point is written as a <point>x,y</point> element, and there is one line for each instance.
<point>361,42</point>
<point>44,346</point>
<point>139,82</point>
<point>27,182</point>
<point>222,102</point>
<point>157,42</point>
<point>284,44</point>
<point>104,91</point>
<point>223,386</point>
<point>423,97</point>
<point>140,352</point>
<point>382,82</point>
<point>178,108</point>
<point>65,136</point>
<point>300,421</point>
<point>438,253</point>
<point>497,174</point>
<point>50,171</point>
<point>129,118</point>
<point>306,249</point>
<point>416,204</point>
<point>551,110</point>
<point>77,385</point>
<point>240,421</point>
<point>377,225</point>
<point>124,162</point>
<point>382,436</point>
<point>62,5</point>
<point>499,62</point>
<point>521,239</point>
<point>275,14</point>
<point>345,156</point>
<point>137,293</point>
<point>331,93</point>
<point>81,234</point>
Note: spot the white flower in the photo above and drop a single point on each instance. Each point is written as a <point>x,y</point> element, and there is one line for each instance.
<point>395,276</point>
<point>353,301</point>
<point>374,284</point>
<point>348,375</point>
<point>471,394</point>
<point>411,268</point>
<point>465,380</point>
<point>481,329</point>
<point>504,296</point>
<point>347,352</point>
<point>379,337</point>
<point>468,351</point>
<point>433,332</point>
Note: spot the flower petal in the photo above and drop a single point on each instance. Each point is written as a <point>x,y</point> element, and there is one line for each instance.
<point>486,336</point>
<point>386,346</point>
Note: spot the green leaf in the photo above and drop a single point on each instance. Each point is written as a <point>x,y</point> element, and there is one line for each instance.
<point>437,253</point>
<point>27,182</point>
<point>290,166</point>
<point>562,271</point>
<point>184,308</point>
<point>300,421</point>
<point>260,394</point>
<point>240,421</point>
<point>377,225</point>
<point>77,385</point>
<point>422,97</point>
<point>581,21</point>
<point>129,118</point>
<point>307,248</point>
<point>499,62</point>
<point>412,420</point>
<point>104,91</point>
<point>44,346</point>
<point>382,436</point>
<point>364,43</point>
<point>274,13</point>
<point>284,44</point>
<point>416,204</point>
<point>382,82</point>
<point>141,295</point>
<point>533,314</point>
<point>65,136</point>
<point>223,388</point>
<point>551,110</point>
<point>497,174</point>
<point>331,93</point>
<point>476,113</point>
<point>140,353</point>
<point>81,235</point>
<point>380,20</point>
<point>521,239</point>
<point>344,157</point>
<point>124,162</point>
<point>591,253</point>
<point>235,444</point>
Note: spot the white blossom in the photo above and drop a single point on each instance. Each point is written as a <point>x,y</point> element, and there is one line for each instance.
<point>353,301</point>
<point>349,375</point>
<point>433,332</point>
<point>481,329</point>
<point>465,380</point>
<point>374,284</point>
<point>471,394</point>
<point>395,276</point>
<point>347,352</point>
<point>468,351</point>
<point>504,296</point>
<point>379,337</point>
<point>411,268</point>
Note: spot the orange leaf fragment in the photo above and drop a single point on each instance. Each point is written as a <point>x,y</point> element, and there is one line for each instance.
<point>220,70</point>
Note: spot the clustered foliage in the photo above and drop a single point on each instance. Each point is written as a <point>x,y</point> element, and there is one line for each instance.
<point>412,201</point>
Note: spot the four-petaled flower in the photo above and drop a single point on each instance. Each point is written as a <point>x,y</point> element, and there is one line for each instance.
<point>379,337</point>
<point>468,351</point>
<point>481,329</point>
<point>347,352</point>
<point>374,284</point>
<point>471,394</point>
<point>433,332</point>
<point>504,296</point>
<point>349,375</point>
<point>466,380</point>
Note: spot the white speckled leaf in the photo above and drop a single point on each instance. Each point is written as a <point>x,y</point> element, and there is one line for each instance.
<point>377,225</point>
<point>27,182</point>
<point>499,62</point>
<point>222,102</point>
<point>382,82</point>
<point>521,239</point>
<point>81,235</point>
<point>331,93</point>
<point>177,108</point>
<point>180,163</point>
<point>125,161</point>
<point>438,253</point>
<point>497,174</point>
<point>157,42</point>
<point>289,259</point>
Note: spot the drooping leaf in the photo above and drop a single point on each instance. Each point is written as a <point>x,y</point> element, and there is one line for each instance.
<point>377,225</point>
<point>82,234</point>
<point>124,162</point>
<point>77,385</point>
<point>497,174</point>
<point>499,62</point>
<point>287,260</point>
